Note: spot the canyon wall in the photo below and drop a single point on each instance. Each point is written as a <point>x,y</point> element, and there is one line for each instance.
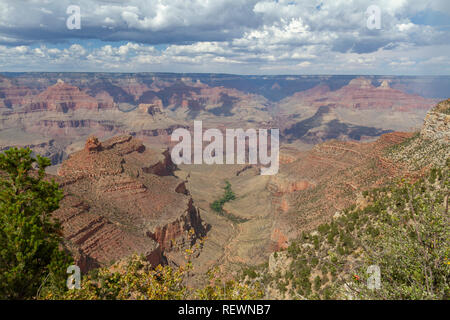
<point>122,198</point>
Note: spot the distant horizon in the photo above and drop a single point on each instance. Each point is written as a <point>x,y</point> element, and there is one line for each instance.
<point>430,86</point>
<point>236,74</point>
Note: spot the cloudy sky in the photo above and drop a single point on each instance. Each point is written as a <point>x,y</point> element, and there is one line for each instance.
<point>227,36</point>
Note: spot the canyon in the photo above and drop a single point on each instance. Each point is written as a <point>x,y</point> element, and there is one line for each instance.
<point>58,111</point>
<point>108,137</point>
<point>312,187</point>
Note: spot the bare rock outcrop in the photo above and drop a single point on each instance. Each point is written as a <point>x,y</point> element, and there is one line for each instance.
<point>431,146</point>
<point>121,198</point>
<point>436,125</point>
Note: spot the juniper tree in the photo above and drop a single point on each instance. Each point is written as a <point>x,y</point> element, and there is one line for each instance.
<point>30,253</point>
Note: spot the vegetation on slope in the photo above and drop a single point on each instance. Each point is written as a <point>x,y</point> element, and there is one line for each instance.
<point>443,107</point>
<point>217,205</point>
<point>418,152</point>
<point>404,230</point>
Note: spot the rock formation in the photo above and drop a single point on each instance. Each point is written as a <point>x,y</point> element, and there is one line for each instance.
<point>360,93</point>
<point>121,198</point>
<point>437,123</point>
<point>431,146</point>
<point>12,95</point>
<point>63,97</point>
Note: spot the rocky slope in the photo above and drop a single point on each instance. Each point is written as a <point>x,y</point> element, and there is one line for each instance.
<point>63,97</point>
<point>332,261</point>
<point>326,124</point>
<point>323,181</point>
<point>430,146</point>
<point>436,126</point>
<point>121,198</point>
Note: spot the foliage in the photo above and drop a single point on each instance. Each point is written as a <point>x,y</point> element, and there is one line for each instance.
<point>218,289</point>
<point>443,107</point>
<point>228,196</point>
<point>217,205</point>
<point>136,279</point>
<point>413,251</point>
<point>30,257</point>
<point>404,230</point>
<point>132,279</point>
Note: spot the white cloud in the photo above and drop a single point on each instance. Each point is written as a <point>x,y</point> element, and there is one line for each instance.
<point>405,26</point>
<point>241,36</point>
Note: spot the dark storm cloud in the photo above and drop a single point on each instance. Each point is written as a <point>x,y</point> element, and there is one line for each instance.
<point>149,22</point>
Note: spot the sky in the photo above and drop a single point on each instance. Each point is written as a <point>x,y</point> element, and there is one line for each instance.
<point>407,37</point>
